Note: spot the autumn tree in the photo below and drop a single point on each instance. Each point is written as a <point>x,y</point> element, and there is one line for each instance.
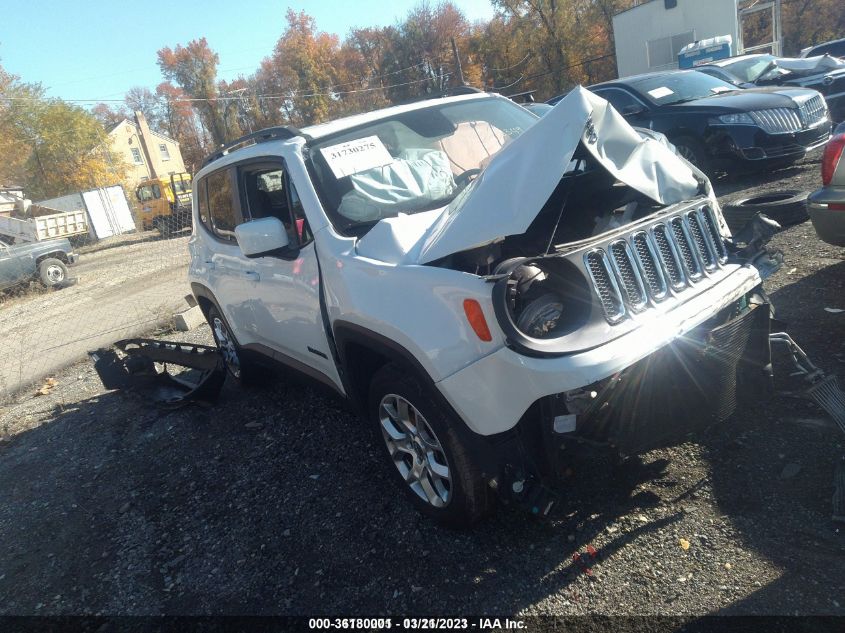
<point>302,70</point>
<point>50,146</point>
<point>193,68</point>
<point>16,99</point>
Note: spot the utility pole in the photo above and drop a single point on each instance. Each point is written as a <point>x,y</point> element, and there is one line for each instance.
<point>242,105</point>
<point>458,63</point>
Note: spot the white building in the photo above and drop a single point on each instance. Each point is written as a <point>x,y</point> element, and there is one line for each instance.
<point>650,35</point>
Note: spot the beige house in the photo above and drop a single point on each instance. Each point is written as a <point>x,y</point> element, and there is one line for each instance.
<point>148,154</point>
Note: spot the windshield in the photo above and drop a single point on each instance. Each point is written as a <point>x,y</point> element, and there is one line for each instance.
<point>413,161</point>
<point>679,87</point>
<point>750,69</point>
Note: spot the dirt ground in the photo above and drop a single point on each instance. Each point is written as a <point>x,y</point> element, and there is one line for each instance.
<point>278,501</point>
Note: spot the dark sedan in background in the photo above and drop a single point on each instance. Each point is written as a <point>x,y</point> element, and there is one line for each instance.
<point>718,127</point>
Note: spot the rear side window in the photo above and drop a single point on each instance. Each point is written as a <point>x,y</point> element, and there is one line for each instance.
<point>619,99</point>
<point>202,204</point>
<point>221,205</point>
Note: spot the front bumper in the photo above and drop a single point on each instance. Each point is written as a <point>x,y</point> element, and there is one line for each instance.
<point>750,143</point>
<point>829,223</point>
<point>493,393</point>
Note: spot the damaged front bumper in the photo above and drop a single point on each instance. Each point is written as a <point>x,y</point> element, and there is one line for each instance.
<point>700,378</point>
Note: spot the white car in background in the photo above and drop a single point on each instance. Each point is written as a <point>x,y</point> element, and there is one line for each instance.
<point>485,286</point>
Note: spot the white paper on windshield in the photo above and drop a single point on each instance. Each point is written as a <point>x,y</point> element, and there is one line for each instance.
<point>659,93</point>
<point>356,156</point>
<point>719,89</point>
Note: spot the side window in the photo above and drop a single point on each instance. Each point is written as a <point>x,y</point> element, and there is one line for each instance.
<point>156,192</point>
<point>202,204</point>
<point>266,192</point>
<point>619,99</point>
<point>221,205</point>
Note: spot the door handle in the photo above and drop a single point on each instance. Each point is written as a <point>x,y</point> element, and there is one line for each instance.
<point>252,275</point>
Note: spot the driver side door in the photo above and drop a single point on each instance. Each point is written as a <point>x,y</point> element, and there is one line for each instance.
<point>284,290</point>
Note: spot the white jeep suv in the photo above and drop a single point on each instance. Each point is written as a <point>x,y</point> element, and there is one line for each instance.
<point>486,287</point>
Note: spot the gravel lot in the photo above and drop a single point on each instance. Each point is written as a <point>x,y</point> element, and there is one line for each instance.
<point>278,501</point>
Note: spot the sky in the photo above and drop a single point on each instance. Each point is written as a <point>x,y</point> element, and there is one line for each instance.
<point>96,50</point>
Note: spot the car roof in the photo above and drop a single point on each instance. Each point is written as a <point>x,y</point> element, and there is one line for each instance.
<point>339,125</point>
<point>637,78</point>
<point>298,137</point>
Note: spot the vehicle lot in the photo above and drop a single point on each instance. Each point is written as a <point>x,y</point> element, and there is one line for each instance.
<point>277,500</point>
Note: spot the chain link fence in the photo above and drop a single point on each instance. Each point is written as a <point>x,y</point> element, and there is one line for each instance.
<point>120,276</point>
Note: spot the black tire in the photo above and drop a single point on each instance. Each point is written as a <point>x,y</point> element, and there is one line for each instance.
<point>693,150</point>
<point>469,498</point>
<point>52,272</point>
<point>241,370</point>
<point>785,207</point>
<point>165,227</point>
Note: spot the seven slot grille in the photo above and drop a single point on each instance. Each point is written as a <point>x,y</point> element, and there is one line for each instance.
<point>643,267</point>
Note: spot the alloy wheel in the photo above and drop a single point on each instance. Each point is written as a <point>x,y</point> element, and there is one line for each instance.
<point>687,152</point>
<point>415,450</point>
<point>226,344</point>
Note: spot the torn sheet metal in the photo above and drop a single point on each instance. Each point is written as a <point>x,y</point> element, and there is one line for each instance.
<point>131,364</point>
<point>808,65</point>
<point>514,187</point>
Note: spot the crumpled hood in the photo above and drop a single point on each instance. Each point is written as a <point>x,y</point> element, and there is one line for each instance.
<point>809,65</point>
<point>517,183</point>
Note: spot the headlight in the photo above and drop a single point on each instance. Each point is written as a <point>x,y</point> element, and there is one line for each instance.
<point>740,118</point>
<point>540,317</point>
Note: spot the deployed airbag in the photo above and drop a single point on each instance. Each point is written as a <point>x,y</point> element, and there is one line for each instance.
<point>418,177</point>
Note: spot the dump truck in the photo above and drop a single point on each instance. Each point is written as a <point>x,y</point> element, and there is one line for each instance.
<point>165,203</point>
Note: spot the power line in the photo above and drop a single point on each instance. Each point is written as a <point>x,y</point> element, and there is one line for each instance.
<point>292,95</point>
<point>519,63</point>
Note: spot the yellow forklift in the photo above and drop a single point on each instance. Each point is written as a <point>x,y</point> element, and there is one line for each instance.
<point>165,203</point>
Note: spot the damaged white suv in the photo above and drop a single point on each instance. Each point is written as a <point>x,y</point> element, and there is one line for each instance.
<point>485,286</point>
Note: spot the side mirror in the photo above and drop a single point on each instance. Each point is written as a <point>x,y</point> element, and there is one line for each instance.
<point>632,110</point>
<point>264,237</point>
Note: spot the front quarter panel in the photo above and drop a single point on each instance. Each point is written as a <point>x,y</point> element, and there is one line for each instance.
<point>420,308</point>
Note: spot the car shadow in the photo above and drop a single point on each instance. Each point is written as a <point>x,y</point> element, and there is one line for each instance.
<point>278,500</point>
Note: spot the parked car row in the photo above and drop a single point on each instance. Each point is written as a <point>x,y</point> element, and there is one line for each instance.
<point>823,73</point>
<point>717,126</point>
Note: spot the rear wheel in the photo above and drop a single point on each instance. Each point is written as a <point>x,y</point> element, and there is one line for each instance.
<point>52,272</point>
<point>164,226</point>
<point>432,463</point>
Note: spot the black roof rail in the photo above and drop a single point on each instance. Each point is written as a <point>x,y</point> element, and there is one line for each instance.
<point>280,132</point>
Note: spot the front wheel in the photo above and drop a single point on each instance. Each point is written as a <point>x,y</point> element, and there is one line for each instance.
<point>226,343</point>
<point>52,272</point>
<point>693,151</point>
<point>432,462</point>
